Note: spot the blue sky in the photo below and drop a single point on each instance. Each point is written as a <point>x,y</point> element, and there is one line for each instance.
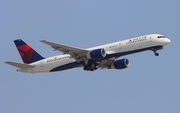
<point>150,85</point>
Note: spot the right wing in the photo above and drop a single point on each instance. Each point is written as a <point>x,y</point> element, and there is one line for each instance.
<point>19,65</point>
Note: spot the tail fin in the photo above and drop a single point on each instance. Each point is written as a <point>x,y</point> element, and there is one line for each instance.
<point>28,54</point>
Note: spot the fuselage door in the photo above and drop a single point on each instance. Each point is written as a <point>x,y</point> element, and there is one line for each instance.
<point>150,39</point>
<point>120,46</point>
<point>41,64</point>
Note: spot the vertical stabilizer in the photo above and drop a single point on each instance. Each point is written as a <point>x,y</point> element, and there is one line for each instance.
<point>27,53</point>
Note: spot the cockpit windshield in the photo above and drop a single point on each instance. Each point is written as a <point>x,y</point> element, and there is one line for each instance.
<point>161,37</point>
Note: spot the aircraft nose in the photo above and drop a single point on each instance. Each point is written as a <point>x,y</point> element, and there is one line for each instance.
<point>167,41</point>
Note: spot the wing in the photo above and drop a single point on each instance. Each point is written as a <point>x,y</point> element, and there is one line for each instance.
<point>19,65</point>
<point>76,53</point>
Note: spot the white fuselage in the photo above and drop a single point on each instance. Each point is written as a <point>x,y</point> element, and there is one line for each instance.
<point>115,49</point>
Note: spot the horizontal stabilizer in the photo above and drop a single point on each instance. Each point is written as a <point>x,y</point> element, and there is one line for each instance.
<point>19,65</point>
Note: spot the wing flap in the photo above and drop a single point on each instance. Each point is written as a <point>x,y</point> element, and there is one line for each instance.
<point>19,65</point>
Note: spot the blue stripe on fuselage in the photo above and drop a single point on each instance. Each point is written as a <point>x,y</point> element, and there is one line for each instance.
<point>77,64</point>
<point>66,66</point>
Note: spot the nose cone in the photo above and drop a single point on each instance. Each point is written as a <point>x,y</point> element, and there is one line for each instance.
<point>166,41</point>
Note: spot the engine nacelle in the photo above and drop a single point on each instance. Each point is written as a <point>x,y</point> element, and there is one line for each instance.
<point>120,64</point>
<point>96,54</point>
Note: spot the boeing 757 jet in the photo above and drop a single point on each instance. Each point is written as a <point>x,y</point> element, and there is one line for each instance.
<point>105,56</point>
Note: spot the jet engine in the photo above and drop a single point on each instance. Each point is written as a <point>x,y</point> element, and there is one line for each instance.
<point>120,64</point>
<point>96,54</point>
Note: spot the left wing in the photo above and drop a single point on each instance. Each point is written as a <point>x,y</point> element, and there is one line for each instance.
<point>76,53</point>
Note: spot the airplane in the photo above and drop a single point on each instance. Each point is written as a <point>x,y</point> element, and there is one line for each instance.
<point>103,57</point>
